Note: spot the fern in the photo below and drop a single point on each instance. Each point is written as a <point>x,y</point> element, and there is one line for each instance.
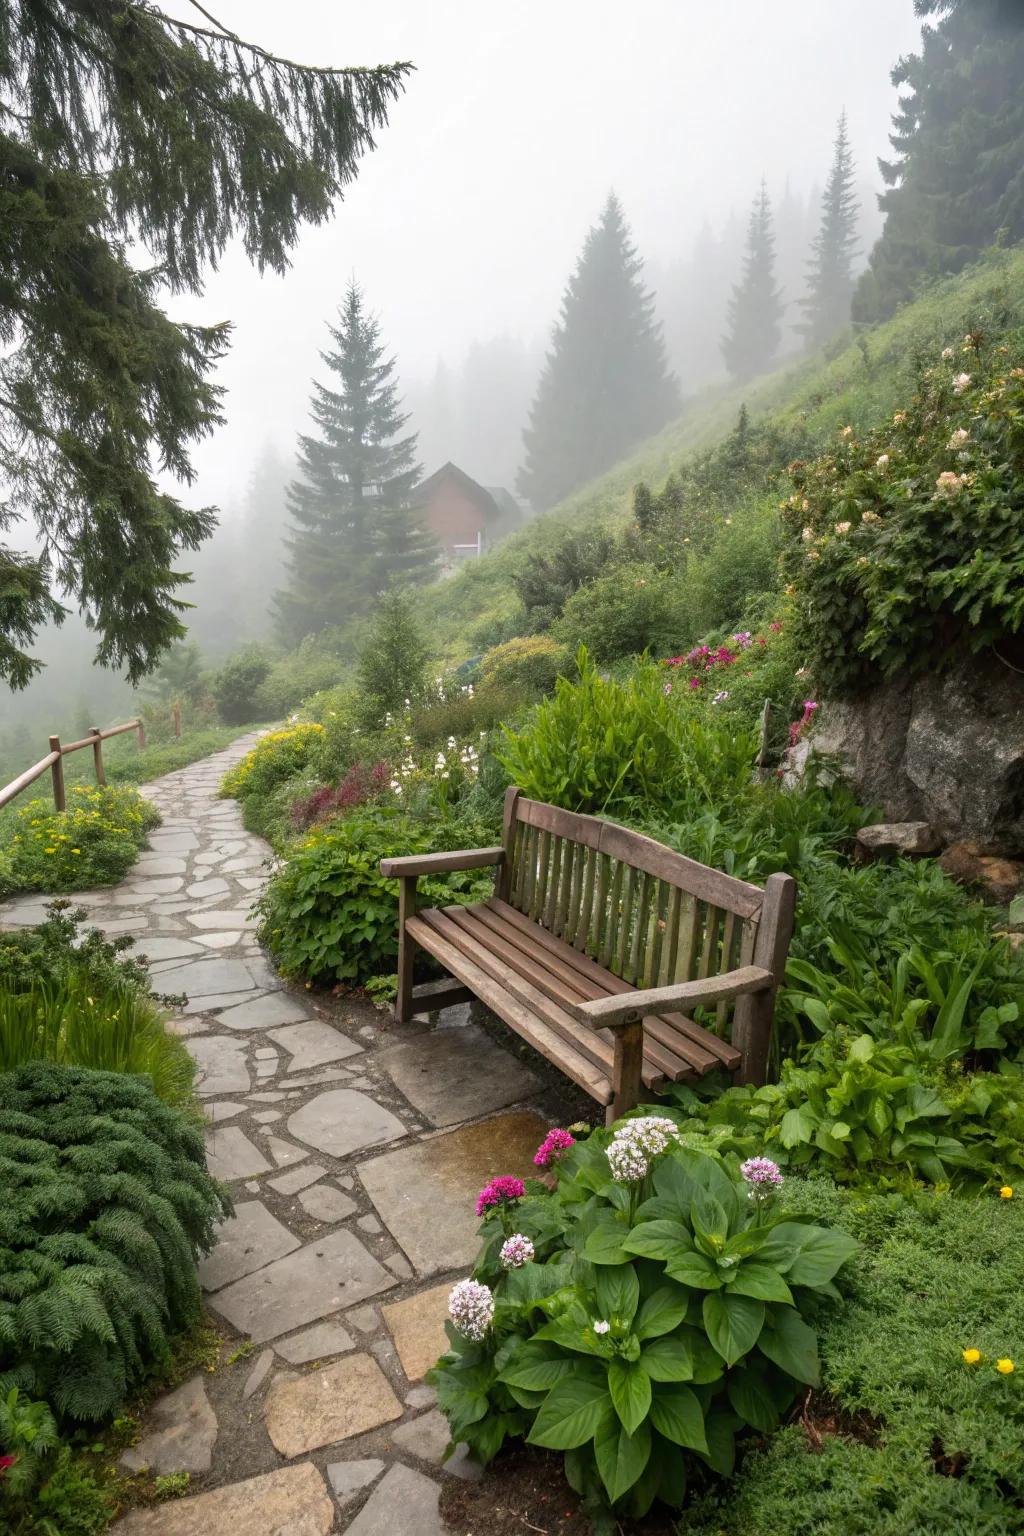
<point>107,1205</point>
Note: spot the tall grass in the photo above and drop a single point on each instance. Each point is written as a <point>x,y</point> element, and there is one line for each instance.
<point>109,1027</point>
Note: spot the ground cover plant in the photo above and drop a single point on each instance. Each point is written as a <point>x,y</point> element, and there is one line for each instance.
<point>638,1316</point>
<point>107,1207</point>
<point>93,842</point>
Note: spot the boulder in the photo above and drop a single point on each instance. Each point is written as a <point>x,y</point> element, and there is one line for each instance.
<point>997,880</point>
<point>947,749</point>
<point>899,837</point>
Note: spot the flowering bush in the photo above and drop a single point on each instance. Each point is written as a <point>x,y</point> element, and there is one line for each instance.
<point>529,661</point>
<point>359,786</point>
<point>278,756</point>
<point>94,842</point>
<point>637,1317</point>
<point>908,544</point>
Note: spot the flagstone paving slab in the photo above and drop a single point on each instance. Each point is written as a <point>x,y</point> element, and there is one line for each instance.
<point>181,1435</point>
<point>332,1404</point>
<point>316,1343</point>
<point>314,1044</point>
<point>456,1075</point>
<point>264,1012</point>
<point>297,1178</point>
<point>204,978</point>
<point>231,1155</point>
<point>325,1203</point>
<point>430,1188</point>
<point>426,1437</point>
<point>349,1478</point>
<point>404,1503</point>
<point>248,1240</point>
<point>334,1272</point>
<point>221,1063</point>
<point>417,1328</point>
<point>292,1501</point>
<point>342,1121</point>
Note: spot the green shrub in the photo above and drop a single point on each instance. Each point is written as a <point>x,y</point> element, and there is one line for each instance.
<point>546,578</point>
<point>276,757</point>
<point>392,669</point>
<point>905,544</point>
<point>45,1491</point>
<point>306,670</point>
<point>528,662</point>
<point>235,685</point>
<point>94,842</point>
<point>329,915</point>
<point>109,1027</point>
<point>466,714</point>
<point>659,1307</point>
<point>632,609</point>
<point>607,746</point>
<point>910,1439</point>
<point>107,1204</point>
<point>57,951</point>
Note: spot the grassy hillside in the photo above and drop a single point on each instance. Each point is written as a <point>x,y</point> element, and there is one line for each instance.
<point>858,382</point>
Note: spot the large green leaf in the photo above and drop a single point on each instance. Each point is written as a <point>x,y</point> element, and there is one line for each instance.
<point>621,1457</point>
<point>733,1324</point>
<point>537,1366</point>
<point>604,1244</point>
<point>676,1414</point>
<point>760,1281</point>
<point>710,1223</point>
<point>659,1240</point>
<point>575,1411</point>
<point>573,1330</point>
<point>720,1429</point>
<point>694,1269</point>
<point>630,1389</point>
<point>791,1344</point>
<point>661,1312</point>
<point>807,1255</point>
<point>617,1288</point>
<point>751,1399</point>
<point>667,1359</point>
<point>533,1283</point>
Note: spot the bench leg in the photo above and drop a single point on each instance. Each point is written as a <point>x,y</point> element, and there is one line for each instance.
<point>627,1066</point>
<point>406,949</point>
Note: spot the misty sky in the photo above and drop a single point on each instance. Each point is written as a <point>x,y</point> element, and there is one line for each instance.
<point>467,218</point>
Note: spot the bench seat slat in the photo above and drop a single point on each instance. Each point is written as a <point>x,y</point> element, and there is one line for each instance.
<point>676,1024</point>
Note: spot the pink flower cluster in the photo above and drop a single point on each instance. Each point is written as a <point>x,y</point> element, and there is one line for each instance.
<point>761,1170</point>
<point>703,659</point>
<point>797,727</point>
<point>517,1251</point>
<point>498,1191</point>
<point>555,1142</point>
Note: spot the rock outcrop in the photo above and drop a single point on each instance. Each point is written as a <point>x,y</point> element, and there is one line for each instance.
<point>945,749</point>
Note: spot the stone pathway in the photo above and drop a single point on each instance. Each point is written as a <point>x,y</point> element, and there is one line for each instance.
<point>354,1149</point>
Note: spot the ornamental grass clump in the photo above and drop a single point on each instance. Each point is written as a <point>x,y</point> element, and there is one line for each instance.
<point>639,1316</point>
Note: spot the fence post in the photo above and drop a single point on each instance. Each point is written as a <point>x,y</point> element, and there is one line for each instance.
<point>140,731</point>
<point>97,753</point>
<point>57,771</point>
<point>177,717</point>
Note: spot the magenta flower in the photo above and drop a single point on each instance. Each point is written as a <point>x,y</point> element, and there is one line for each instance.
<point>498,1191</point>
<point>694,682</point>
<point>555,1142</point>
<point>517,1251</point>
<point>761,1170</point>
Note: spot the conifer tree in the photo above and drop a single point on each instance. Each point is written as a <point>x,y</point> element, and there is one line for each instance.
<point>955,183</point>
<point>830,270</point>
<point>605,384</point>
<point>754,316</point>
<point>353,526</point>
<point>119,123</point>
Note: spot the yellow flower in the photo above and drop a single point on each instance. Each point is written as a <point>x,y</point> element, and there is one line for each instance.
<point>76,850</point>
<point>1005,1367</point>
<point>49,850</point>
<point>971,1356</point>
<point>1006,1193</point>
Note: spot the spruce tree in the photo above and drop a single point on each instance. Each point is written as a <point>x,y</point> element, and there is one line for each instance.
<point>353,526</point>
<point>754,316</point>
<point>830,270</point>
<point>955,183</point>
<point>605,384</point>
<point>121,124</point>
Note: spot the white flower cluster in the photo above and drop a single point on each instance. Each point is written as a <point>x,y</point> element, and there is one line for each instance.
<point>635,1143</point>
<point>471,1308</point>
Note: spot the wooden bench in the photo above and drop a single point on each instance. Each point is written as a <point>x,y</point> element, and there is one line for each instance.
<point>597,945</point>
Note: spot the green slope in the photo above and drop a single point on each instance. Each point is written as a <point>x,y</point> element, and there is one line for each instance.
<point>856,382</point>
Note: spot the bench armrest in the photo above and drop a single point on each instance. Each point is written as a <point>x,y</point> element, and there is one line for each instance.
<point>440,863</point>
<point>626,1007</point>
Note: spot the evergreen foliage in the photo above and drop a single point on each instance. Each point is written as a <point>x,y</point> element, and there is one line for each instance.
<point>830,275</point>
<point>353,526</point>
<point>956,182</point>
<point>118,123</point>
<point>107,1204</point>
<point>393,662</point>
<point>605,384</point>
<point>754,315</point>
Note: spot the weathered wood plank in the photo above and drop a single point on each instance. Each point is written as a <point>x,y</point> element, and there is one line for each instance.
<point>710,885</point>
<point>439,863</point>
<point>752,1020</point>
<point>626,1071</point>
<point>705,990</point>
<point>404,1007</point>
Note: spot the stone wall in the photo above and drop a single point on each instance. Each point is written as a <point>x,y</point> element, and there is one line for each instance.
<point>945,749</point>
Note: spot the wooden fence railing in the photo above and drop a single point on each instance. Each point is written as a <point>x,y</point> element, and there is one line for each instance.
<point>54,759</point>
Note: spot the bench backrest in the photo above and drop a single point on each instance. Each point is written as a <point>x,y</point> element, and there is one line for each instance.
<point>648,914</point>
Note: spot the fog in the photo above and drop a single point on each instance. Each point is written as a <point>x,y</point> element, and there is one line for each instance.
<point>467,219</point>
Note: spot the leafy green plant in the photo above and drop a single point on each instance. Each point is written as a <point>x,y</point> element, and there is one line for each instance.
<point>654,1304</point>
<point>44,1490</point>
<point>604,746</point>
<point>624,612</point>
<point>107,1204</point>
<point>904,544</point>
<point>329,915</point>
<point>58,950</point>
<point>94,842</point>
<point>276,757</point>
<point>111,1027</point>
<point>531,662</point>
<point>235,686</point>
<point>392,664</point>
